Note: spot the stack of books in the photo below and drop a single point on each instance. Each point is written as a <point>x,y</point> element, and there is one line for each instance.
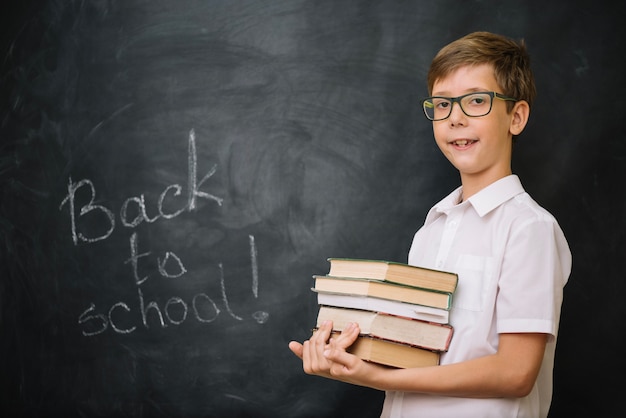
<point>402,310</point>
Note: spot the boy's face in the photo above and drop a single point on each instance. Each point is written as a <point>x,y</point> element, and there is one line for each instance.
<point>479,147</point>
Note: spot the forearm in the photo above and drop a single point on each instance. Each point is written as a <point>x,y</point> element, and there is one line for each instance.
<point>479,378</point>
<point>509,373</point>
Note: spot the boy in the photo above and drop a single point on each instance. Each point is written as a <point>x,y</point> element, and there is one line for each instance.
<point>510,254</point>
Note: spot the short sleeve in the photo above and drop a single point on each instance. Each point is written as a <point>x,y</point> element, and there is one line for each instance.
<point>534,271</point>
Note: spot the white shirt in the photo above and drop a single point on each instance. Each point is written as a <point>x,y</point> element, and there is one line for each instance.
<point>513,262</point>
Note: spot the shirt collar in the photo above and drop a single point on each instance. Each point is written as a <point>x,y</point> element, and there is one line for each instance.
<point>496,194</point>
<point>484,201</point>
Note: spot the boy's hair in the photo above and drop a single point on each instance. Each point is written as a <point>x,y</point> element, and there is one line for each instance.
<point>510,61</point>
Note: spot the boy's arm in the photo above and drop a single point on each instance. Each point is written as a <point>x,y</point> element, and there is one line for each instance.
<point>511,372</point>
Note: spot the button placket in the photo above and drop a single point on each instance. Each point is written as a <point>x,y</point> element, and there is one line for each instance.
<point>451,226</point>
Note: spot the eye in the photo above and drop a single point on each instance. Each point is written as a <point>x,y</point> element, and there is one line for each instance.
<point>477,99</point>
<point>441,103</point>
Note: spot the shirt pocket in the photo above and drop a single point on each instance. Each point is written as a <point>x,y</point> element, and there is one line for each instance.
<point>475,273</point>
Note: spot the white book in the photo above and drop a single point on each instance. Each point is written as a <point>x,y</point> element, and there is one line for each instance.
<point>424,313</point>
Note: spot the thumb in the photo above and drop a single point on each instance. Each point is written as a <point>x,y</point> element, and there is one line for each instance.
<point>296,348</point>
<point>342,362</point>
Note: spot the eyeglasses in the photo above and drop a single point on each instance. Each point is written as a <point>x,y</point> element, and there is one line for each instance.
<point>472,104</point>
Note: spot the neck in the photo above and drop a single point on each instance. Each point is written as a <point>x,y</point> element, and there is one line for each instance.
<point>474,184</point>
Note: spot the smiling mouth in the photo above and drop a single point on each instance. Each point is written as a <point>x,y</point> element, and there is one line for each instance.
<point>463,142</point>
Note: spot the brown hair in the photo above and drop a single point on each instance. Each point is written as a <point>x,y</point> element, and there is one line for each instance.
<point>510,61</point>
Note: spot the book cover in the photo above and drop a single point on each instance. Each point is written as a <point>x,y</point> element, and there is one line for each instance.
<point>393,354</point>
<point>396,272</point>
<point>428,335</point>
<point>384,290</point>
<point>393,307</point>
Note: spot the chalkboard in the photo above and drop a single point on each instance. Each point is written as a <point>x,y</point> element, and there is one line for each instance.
<point>174,172</point>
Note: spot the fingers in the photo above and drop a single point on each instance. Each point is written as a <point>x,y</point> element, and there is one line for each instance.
<point>347,337</point>
<point>341,361</point>
<point>314,361</point>
<point>320,335</point>
<point>324,331</point>
<point>325,356</point>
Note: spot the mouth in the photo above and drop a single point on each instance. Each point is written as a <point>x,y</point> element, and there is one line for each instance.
<point>463,143</point>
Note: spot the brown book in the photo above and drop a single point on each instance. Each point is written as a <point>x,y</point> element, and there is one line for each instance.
<point>428,335</point>
<point>384,290</point>
<point>442,281</point>
<point>392,354</point>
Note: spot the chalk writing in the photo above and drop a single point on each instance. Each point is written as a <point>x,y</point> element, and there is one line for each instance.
<point>176,310</point>
<point>260,316</point>
<point>193,193</point>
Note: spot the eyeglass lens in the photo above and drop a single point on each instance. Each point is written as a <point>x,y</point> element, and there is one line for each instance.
<point>474,104</point>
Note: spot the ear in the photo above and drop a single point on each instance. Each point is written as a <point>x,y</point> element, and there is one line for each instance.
<point>519,117</point>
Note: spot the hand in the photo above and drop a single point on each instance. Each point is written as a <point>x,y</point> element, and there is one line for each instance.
<point>316,352</point>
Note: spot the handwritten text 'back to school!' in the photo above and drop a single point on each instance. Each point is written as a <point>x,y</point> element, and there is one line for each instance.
<point>170,266</point>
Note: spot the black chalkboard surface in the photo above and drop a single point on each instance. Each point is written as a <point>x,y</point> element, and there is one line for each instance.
<point>174,172</point>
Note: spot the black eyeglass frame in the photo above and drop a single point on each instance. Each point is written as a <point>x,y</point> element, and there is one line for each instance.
<point>457,99</point>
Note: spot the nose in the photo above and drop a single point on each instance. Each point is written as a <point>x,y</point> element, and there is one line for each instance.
<point>457,116</point>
